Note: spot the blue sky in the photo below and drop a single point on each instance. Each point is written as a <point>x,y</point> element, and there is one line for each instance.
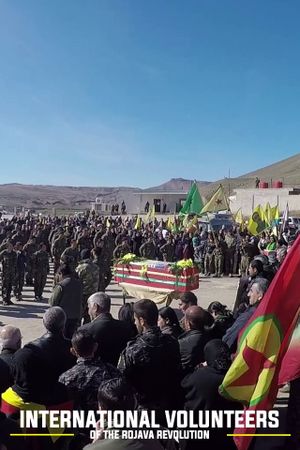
<point>134,92</point>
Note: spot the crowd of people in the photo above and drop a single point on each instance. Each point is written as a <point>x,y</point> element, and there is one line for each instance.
<point>86,242</point>
<point>148,358</point>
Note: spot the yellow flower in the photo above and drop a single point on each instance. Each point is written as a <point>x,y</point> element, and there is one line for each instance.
<point>128,257</point>
<point>143,271</point>
<point>185,263</point>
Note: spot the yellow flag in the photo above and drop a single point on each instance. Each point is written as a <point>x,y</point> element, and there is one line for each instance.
<point>257,222</point>
<point>138,223</point>
<point>151,214</point>
<point>239,218</point>
<point>275,213</point>
<point>170,224</point>
<point>185,221</point>
<point>107,223</point>
<point>268,214</point>
<point>275,219</point>
<point>218,202</point>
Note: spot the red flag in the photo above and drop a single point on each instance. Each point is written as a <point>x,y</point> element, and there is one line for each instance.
<point>253,376</point>
<point>290,367</point>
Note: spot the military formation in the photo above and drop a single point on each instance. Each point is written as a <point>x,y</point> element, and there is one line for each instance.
<point>90,244</point>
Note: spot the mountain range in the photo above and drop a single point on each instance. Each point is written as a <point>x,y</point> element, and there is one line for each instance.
<point>64,197</point>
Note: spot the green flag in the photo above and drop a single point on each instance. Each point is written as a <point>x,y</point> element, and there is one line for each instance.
<point>193,203</point>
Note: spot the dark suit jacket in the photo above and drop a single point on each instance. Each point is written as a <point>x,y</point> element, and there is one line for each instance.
<point>231,336</point>
<point>111,335</point>
<point>191,345</point>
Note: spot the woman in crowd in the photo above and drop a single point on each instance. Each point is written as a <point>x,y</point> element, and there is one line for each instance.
<point>126,315</point>
<point>168,322</point>
<point>223,319</point>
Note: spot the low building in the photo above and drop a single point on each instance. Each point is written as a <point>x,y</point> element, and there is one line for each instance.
<point>164,202</point>
<point>100,207</point>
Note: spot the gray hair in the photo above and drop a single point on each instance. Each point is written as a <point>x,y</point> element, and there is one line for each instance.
<point>10,337</point>
<point>261,285</point>
<point>102,300</point>
<point>55,319</point>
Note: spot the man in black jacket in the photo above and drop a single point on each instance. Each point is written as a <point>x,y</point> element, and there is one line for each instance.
<point>42,361</point>
<point>193,340</point>
<point>68,295</point>
<point>10,340</point>
<point>151,361</point>
<point>111,335</point>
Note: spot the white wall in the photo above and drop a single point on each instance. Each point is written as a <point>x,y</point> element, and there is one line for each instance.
<point>248,199</point>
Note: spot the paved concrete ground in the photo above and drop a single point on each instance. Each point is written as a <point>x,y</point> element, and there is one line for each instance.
<point>27,314</point>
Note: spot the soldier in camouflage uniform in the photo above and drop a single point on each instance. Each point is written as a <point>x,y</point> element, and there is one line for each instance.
<point>209,256</point>
<point>230,240</point>
<point>20,273</point>
<point>8,258</point>
<point>98,236</point>
<point>219,259</point>
<point>168,250</point>
<point>29,249</point>
<point>88,273</point>
<point>84,241</point>
<point>58,246</point>
<point>148,249</point>
<point>5,241</point>
<point>18,236</point>
<point>121,249</point>
<point>247,254</point>
<point>84,379</point>
<point>71,255</point>
<point>40,270</point>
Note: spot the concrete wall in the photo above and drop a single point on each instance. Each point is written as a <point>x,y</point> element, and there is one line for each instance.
<point>171,200</point>
<point>248,199</point>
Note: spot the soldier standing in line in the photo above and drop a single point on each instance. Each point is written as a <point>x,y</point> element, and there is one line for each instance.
<point>98,236</point>
<point>8,258</point>
<point>88,272</point>
<point>29,249</point>
<point>97,259</point>
<point>5,241</point>
<point>107,250</point>
<point>84,241</point>
<point>59,245</point>
<point>209,256</point>
<point>122,249</point>
<point>230,240</point>
<point>148,249</point>
<point>20,273</point>
<point>247,253</point>
<point>71,255</point>
<point>18,236</point>
<point>219,259</point>
<point>123,207</point>
<point>168,250</point>
<point>40,271</point>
